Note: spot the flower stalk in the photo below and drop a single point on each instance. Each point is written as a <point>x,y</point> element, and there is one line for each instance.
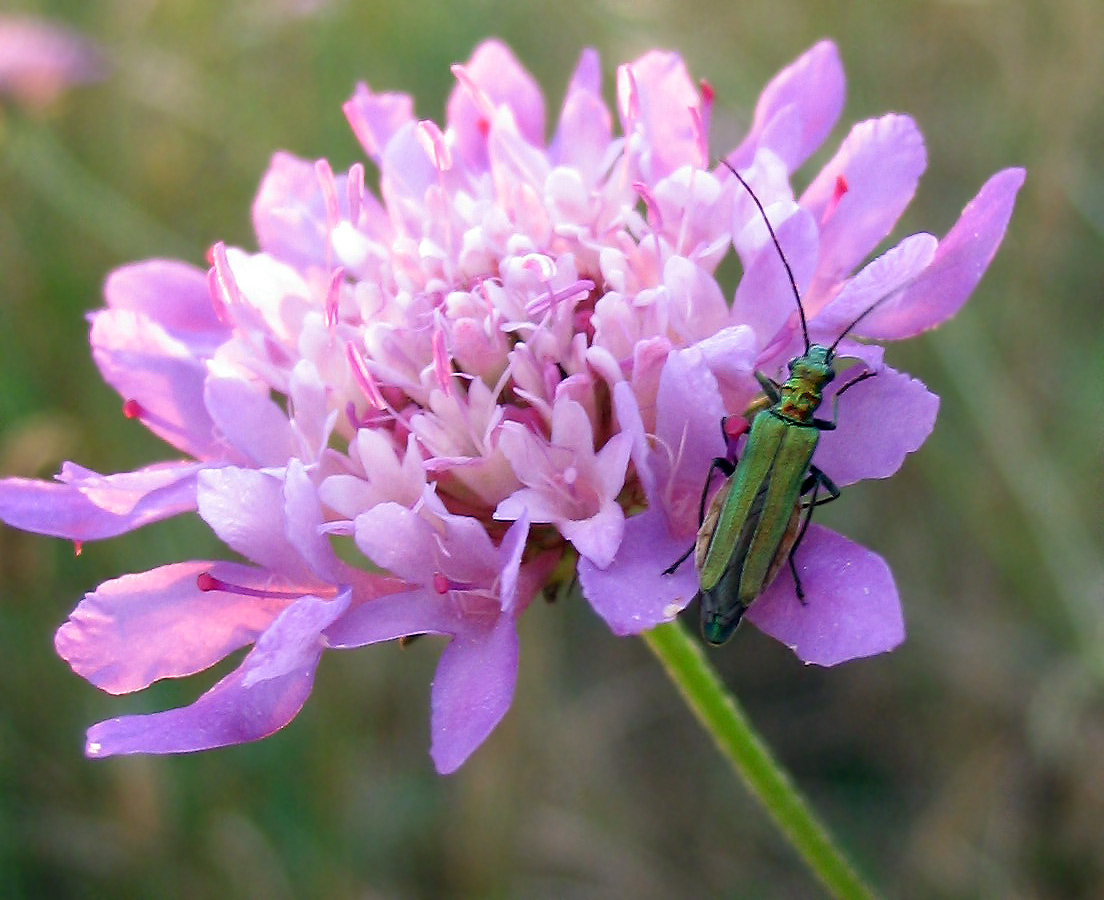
<point>721,715</point>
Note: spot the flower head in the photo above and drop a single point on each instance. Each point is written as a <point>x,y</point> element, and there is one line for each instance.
<point>39,60</point>
<point>509,364</point>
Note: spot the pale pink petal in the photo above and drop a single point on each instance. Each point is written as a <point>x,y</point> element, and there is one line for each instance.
<point>632,594</point>
<point>260,697</point>
<point>405,174</point>
<point>610,464</point>
<point>698,307</point>
<point>630,423</point>
<point>873,287</point>
<point>289,212</point>
<point>598,536</point>
<point>304,517</point>
<point>851,607</point>
<point>160,374</point>
<point>493,77</point>
<point>880,163</point>
<point>413,547</point>
<point>535,504</point>
<point>132,631</point>
<point>421,611</point>
<point>312,416</point>
<point>660,114</point>
<point>688,423</point>
<point>880,421</point>
<point>174,295</point>
<point>765,298</point>
<point>108,506</point>
<point>510,552</point>
<point>245,508</point>
<point>247,419</point>
<point>959,262</point>
<point>376,118</point>
<point>472,690</point>
<point>571,429</point>
<point>585,128</point>
<point>797,109</point>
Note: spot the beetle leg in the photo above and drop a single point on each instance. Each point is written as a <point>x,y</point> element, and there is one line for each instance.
<point>814,481</point>
<point>670,570</point>
<point>727,466</point>
<point>828,425</point>
<point>770,387</point>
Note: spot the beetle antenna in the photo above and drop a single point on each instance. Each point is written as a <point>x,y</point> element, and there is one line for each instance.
<point>866,312</point>
<point>778,247</point>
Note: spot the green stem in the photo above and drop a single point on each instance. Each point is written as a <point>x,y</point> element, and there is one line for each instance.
<point>723,718</point>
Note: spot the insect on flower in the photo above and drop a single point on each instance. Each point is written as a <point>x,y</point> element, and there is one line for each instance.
<point>754,523</point>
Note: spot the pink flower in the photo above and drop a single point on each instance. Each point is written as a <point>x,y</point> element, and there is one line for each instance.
<point>453,377</point>
<point>39,61</point>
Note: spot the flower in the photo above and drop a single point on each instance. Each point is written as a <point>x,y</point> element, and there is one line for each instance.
<point>452,378</point>
<point>39,60</point>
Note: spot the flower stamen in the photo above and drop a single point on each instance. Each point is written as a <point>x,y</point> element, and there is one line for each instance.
<point>207,582</point>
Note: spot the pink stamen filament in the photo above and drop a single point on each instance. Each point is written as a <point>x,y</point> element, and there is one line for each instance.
<point>442,365</point>
<point>442,584</point>
<point>133,409</point>
<point>364,378</point>
<point>333,293</point>
<point>324,173</point>
<point>576,290</point>
<point>206,582</point>
<point>223,283</point>
<point>355,188</point>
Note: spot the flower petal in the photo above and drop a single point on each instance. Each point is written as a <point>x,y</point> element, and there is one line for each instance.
<point>490,79</point>
<point>144,363</point>
<point>289,212</point>
<point>764,297</point>
<point>688,423</point>
<point>245,508</point>
<point>421,611</point>
<point>92,506</point>
<point>597,537</point>
<point>376,118</point>
<point>632,594</point>
<point>797,108</point>
<point>472,690</point>
<point>660,114</point>
<point>182,629</point>
<point>851,606</point>
<point>879,163</point>
<point>959,262</point>
<point>260,697</point>
<point>872,288</point>
<point>172,294</point>
<point>585,128</point>
<point>248,420</point>
<point>880,422</point>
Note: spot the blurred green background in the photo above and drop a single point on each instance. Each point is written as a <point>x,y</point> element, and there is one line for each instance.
<point>969,763</point>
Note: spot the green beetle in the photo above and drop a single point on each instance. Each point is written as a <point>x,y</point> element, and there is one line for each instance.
<point>754,523</point>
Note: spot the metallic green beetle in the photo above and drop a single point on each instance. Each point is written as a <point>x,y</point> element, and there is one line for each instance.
<point>754,522</point>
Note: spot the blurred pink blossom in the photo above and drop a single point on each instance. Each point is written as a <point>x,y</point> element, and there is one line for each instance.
<point>40,60</point>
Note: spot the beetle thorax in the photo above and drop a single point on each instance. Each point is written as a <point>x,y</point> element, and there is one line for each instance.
<point>801,393</point>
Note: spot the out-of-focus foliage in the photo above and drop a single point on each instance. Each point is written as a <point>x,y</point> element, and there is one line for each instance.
<point>969,763</point>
